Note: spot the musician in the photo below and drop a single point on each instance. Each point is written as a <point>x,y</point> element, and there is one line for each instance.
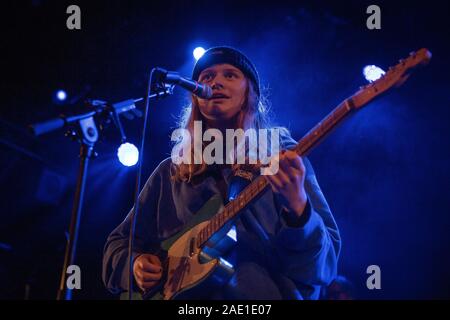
<point>287,240</point>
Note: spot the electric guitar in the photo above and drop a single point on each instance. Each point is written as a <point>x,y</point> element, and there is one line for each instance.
<point>191,258</point>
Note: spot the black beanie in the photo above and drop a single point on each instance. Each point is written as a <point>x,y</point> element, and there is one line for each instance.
<point>225,54</point>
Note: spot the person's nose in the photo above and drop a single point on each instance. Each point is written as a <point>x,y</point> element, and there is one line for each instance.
<point>217,83</point>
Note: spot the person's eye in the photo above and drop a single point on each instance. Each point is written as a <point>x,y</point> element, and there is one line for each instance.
<point>230,75</point>
<point>206,77</point>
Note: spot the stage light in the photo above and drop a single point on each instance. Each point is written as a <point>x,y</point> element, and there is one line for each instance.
<point>128,154</point>
<point>198,52</point>
<point>372,73</point>
<point>61,95</point>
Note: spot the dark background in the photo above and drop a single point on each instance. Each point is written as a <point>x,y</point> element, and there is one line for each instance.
<point>384,172</point>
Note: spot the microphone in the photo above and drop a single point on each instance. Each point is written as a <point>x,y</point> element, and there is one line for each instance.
<point>200,90</point>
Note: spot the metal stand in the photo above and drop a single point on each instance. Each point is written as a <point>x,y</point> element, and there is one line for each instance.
<point>90,136</point>
<point>87,134</point>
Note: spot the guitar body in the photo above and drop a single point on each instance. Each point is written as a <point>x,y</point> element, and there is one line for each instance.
<point>191,272</point>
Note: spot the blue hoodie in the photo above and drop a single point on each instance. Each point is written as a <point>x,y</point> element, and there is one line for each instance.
<point>272,259</point>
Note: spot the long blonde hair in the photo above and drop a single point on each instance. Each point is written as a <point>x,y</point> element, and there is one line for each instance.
<point>253,115</point>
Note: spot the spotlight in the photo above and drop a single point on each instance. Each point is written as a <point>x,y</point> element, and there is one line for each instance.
<point>128,154</point>
<point>61,95</point>
<point>372,73</point>
<point>198,52</point>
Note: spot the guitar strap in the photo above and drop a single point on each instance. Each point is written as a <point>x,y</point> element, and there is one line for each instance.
<point>237,183</point>
<point>221,184</point>
<point>229,191</point>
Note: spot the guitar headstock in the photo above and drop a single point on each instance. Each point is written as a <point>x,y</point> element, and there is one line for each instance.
<point>395,76</point>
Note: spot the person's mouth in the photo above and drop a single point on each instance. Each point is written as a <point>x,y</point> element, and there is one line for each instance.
<point>217,96</point>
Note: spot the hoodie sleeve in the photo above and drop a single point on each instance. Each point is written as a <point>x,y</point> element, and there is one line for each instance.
<point>115,269</point>
<point>309,253</point>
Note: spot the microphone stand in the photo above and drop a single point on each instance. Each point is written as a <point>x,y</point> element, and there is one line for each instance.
<point>87,134</point>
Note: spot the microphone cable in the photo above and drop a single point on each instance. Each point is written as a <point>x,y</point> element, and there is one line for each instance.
<point>137,190</point>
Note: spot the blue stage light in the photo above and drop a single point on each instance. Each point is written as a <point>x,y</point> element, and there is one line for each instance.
<point>372,73</point>
<point>128,154</point>
<point>61,95</point>
<point>198,52</point>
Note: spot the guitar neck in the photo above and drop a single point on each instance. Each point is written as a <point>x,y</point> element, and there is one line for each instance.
<point>251,192</point>
<point>323,128</point>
